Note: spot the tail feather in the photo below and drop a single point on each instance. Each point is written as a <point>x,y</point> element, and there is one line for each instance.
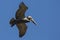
<point>12,22</point>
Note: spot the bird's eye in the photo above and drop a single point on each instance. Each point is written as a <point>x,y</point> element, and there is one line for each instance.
<point>29,18</point>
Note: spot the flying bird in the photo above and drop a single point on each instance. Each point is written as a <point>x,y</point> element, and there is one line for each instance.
<point>20,19</point>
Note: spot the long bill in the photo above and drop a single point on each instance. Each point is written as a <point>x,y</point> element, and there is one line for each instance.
<point>33,21</point>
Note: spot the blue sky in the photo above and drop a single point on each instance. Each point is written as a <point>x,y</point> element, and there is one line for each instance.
<point>45,12</point>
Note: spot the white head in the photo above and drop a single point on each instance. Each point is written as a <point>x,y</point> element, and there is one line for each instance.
<point>31,19</point>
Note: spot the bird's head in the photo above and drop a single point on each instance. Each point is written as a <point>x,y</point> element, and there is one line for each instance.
<point>31,19</point>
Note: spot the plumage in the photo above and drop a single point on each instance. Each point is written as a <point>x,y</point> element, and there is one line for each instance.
<point>20,14</point>
<point>22,29</point>
<point>21,11</point>
<point>20,20</point>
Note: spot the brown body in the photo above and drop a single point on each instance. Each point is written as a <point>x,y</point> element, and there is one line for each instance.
<point>20,14</point>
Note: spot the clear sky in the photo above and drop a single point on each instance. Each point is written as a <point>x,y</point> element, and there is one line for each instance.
<point>45,12</point>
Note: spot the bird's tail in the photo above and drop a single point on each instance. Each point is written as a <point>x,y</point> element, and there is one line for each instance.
<point>12,22</point>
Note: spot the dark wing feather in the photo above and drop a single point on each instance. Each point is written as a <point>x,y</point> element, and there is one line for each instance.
<point>21,11</point>
<point>22,28</point>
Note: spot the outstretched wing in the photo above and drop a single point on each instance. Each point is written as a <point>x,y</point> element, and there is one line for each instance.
<point>21,11</point>
<point>22,29</point>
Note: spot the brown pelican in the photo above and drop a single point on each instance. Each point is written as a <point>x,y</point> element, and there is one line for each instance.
<point>20,20</point>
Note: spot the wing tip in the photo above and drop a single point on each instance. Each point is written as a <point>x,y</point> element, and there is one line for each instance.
<point>21,36</point>
<point>22,3</point>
